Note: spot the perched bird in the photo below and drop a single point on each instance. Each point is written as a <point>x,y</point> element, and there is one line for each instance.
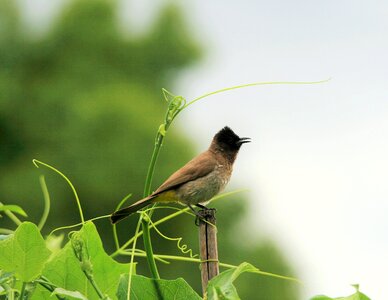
<point>199,180</point>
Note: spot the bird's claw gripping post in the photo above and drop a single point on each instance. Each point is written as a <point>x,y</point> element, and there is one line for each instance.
<point>203,214</point>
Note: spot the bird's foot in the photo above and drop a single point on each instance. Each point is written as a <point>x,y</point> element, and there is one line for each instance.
<point>198,216</point>
<point>203,214</point>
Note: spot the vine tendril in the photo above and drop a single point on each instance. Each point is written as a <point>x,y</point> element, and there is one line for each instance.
<point>182,247</point>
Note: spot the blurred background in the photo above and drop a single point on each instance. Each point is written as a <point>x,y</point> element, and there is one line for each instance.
<point>80,89</point>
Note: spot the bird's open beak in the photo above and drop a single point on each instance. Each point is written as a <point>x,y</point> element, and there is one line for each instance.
<point>244,140</point>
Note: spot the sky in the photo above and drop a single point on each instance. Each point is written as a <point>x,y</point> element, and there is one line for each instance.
<point>317,166</point>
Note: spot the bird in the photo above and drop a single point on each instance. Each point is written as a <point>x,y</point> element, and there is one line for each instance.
<point>199,180</point>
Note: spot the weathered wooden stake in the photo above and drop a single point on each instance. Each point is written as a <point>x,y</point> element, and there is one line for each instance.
<point>208,246</point>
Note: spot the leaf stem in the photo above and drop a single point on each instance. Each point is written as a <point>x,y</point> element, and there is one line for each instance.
<point>46,197</point>
<point>37,162</point>
<point>132,258</point>
<point>78,224</point>
<point>151,167</point>
<point>175,106</point>
<point>94,285</point>
<point>23,291</point>
<point>148,248</point>
<point>145,223</point>
<point>12,216</point>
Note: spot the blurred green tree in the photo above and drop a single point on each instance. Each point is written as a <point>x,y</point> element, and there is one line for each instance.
<point>87,100</point>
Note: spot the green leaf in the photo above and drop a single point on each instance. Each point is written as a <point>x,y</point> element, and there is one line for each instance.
<point>356,296</point>
<point>14,208</point>
<point>64,268</point>
<point>72,294</point>
<point>147,288</point>
<point>24,252</point>
<point>221,286</point>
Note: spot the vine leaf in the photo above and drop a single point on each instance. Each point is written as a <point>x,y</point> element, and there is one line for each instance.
<point>13,208</point>
<point>24,252</point>
<point>64,268</point>
<point>147,288</point>
<point>221,286</point>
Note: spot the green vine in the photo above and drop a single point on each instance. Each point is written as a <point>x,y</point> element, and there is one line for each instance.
<point>37,163</point>
<point>46,198</point>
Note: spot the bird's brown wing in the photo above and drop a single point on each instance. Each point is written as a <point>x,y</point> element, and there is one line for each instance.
<point>198,167</point>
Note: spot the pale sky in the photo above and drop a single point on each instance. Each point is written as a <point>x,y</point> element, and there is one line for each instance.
<point>317,166</point>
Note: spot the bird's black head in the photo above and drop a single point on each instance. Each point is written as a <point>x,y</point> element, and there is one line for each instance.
<point>226,140</point>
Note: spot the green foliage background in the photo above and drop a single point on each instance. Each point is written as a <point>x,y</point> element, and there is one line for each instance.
<point>86,99</point>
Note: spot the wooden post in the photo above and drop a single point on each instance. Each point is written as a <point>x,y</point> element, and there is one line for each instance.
<point>208,246</point>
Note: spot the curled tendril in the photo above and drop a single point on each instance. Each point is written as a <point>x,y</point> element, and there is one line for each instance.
<point>182,247</point>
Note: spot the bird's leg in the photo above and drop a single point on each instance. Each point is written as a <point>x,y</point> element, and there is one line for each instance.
<point>201,206</point>
<point>197,215</point>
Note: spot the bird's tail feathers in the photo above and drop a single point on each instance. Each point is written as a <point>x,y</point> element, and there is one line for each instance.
<point>127,211</point>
